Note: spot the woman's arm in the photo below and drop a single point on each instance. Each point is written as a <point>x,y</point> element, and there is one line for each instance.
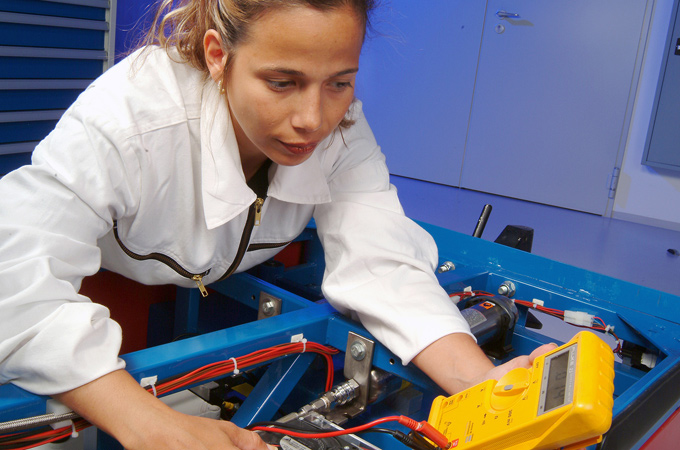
<point>118,405</point>
<point>380,267</point>
<point>455,362</point>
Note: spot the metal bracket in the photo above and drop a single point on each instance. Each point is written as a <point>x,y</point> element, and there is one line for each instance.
<point>270,306</point>
<point>358,364</point>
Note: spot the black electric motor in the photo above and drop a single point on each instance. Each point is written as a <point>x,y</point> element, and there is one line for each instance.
<point>492,320</point>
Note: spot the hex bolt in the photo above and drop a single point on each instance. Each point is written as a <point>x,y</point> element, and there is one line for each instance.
<point>268,308</point>
<point>358,350</point>
<point>507,289</point>
<point>446,266</point>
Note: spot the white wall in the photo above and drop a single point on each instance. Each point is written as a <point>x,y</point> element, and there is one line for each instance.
<point>645,194</point>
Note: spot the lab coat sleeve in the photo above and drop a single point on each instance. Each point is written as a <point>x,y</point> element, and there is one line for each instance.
<point>51,215</point>
<point>380,265</point>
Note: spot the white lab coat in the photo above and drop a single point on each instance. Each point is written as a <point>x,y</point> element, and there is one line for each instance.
<point>150,145</point>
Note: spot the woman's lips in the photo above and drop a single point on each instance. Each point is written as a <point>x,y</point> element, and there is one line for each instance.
<point>302,148</point>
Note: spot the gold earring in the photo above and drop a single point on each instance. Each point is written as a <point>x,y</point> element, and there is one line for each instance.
<point>219,87</point>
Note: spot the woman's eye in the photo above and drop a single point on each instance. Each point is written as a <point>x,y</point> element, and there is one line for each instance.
<point>278,85</point>
<point>341,85</point>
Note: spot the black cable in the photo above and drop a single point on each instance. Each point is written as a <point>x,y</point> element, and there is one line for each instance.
<point>285,426</point>
<point>26,434</point>
<point>377,430</point>
<point>412,440</point>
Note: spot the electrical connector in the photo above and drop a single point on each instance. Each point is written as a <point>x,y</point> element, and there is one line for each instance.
<point>427,430</point>
<point>578,318</point>
<point>637,356</point>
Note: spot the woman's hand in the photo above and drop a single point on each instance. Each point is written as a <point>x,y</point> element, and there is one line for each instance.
<point>525,361</point>
<point>455,362</point>
<point>188,432</point>
<point>118,405</point>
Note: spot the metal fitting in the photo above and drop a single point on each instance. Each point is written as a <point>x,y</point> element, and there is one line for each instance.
<point>338,396</point>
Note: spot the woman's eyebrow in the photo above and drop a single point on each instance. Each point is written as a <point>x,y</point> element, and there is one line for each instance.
<point>346,72</point>
<point>298,73</point>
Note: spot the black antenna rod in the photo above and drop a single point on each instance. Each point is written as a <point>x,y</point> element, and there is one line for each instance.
<point>481,223</point>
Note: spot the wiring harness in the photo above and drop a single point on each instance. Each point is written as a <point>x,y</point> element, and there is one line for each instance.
<point>34,438</point>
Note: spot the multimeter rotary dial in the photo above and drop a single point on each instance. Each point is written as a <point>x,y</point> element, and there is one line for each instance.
<point>510,388</point>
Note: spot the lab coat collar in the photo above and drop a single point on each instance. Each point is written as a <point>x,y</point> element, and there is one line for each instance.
<point>224,188</point>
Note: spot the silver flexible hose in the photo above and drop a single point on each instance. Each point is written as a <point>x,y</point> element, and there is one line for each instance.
<point>36,421</point>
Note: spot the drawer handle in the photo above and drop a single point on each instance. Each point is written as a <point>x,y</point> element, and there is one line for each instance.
<point>506,15</point>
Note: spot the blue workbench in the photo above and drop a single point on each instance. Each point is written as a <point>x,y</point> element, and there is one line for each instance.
<point>646,317</point>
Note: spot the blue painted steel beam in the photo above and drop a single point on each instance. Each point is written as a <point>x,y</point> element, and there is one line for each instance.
<point>182,356</point>
<point>16,403</point>
<point>273,389</point>
<point>578,284</point>
<point>246,289</point>
<point>186,311</point>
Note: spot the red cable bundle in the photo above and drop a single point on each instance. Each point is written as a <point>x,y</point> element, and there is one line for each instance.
<point>26,440</point>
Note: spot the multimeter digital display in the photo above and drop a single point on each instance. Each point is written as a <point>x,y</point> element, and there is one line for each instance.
<point>564,400</point>
<point>557,386</point>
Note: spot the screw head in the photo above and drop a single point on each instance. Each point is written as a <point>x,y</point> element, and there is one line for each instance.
<point>358,350</point>
<point>268,308</point>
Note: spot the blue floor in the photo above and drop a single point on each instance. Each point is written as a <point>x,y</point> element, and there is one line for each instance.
<point>625,250</point>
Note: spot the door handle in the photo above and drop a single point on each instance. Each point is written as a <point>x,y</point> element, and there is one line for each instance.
<point>501,14</point>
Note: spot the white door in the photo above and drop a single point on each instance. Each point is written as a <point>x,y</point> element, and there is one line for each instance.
<point>550,100</point>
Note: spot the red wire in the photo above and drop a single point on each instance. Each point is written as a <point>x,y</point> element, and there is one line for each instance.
<point>327,434</point>
<point>471,294</point>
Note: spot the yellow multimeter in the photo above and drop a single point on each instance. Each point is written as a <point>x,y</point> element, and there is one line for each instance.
<point>564,400</point>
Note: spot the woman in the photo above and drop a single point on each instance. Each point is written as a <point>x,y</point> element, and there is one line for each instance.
<point>246,108</point>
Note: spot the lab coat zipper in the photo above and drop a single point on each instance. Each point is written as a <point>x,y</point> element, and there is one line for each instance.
<point>254,218</point>
<point>199,282</point>
<point>258,211</point>
<point>196,277</point>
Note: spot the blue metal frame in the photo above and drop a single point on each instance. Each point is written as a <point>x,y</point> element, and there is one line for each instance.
<point>640,315</point>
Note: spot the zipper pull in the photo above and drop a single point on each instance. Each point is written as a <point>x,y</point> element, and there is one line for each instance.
<point>258,210</point>
<point>199,282</point>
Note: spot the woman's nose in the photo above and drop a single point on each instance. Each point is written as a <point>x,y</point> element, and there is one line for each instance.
<point>309,114</point>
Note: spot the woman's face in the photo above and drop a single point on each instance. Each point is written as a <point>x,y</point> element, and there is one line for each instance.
<point>291,82</point>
